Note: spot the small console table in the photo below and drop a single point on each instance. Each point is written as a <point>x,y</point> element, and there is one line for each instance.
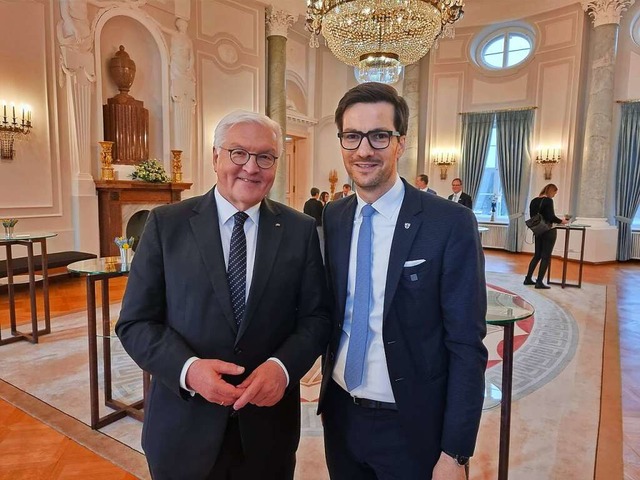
<point>565,255</point>
<point>27,240</point>
<point>102,269</point>
<point>504,309</point>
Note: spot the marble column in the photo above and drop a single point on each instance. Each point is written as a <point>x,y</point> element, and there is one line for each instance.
<point>77,75</point>
<point>278,22</point>
<point>597,162</point>
<point>408,165</point>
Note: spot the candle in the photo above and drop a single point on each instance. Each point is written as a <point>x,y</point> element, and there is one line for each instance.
<point>13,107</point>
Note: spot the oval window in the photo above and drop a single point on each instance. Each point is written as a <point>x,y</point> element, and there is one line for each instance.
<point>505,49</point>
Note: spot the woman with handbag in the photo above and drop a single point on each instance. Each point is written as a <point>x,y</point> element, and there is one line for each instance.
<point>543,205</point>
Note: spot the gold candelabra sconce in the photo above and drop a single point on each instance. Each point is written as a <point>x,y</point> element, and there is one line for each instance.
<point>176,166</point>
<point>548,157</point>
<point>106,172</point>
<point>333,179</point>
<point>12,127</point>
<point>443,159</point>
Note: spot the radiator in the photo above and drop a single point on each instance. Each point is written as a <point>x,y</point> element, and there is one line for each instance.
<point>496,237</point>
<point>635,245</point>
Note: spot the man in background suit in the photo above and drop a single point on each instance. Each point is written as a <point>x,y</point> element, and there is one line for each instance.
<point>422,183</point>
<point>313,207</point>
<point>346,191</point>
<point>224,308</point>
<point>403,377</point>
<point>458,195</point>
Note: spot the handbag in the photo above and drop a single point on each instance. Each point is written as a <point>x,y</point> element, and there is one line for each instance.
<point>537,225</point>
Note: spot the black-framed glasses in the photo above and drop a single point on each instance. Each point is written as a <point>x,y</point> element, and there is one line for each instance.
<point>378,139</point>
<point>239,156</point>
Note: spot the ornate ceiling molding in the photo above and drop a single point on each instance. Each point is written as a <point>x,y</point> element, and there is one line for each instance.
<point>278,21</point>
<point>603,12</point>
<point>299,119</point>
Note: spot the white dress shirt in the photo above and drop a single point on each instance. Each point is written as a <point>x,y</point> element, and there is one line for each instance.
<point>376,384</point>
<point>226,211</point>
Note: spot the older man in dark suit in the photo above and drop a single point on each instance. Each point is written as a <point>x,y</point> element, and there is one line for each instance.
<point>403,378</point>
<point>224,308</point>
<point>458,195</point>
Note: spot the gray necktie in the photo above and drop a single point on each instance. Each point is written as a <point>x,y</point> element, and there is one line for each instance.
<point>237,270</point>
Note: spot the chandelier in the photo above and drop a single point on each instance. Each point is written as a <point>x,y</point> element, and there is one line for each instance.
<point>380,37</point>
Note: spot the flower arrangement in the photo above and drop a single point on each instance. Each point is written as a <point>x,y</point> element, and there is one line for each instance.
<point>150,170</point>
<point>9,222</point>
<point>124,242</point>
<point>494,202</point>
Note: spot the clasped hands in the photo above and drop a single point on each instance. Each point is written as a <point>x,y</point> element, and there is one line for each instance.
<point>264,387</point>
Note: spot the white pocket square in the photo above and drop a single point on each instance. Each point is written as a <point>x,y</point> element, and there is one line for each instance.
<point>413,263</point>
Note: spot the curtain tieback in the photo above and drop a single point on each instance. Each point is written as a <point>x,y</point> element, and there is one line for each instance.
<point>516,215</point>
<point>623,219</point>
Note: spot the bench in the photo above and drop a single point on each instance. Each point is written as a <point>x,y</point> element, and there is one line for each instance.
<point>54,260</point>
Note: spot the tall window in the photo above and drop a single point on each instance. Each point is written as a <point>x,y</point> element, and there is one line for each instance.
<point>635,225</point>
<point>490,185</point>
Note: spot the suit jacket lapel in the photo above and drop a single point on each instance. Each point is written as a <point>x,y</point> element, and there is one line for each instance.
<point>270,231</point>
<point>206,231</point>
<point>405,232</point>
<point>344,231</point>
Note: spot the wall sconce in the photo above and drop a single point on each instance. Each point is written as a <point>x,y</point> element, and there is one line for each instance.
<point>333,179</point>
<point>12,127</point>
<point>444,159</point>
<point>548,157</point>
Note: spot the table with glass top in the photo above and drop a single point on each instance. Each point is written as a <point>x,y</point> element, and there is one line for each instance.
<point>504,310</point>
<point>101,270</point>
<point>27,240</point>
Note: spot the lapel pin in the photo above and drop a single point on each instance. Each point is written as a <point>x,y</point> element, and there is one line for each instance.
<point>277,224</point>
<point>406,226</point>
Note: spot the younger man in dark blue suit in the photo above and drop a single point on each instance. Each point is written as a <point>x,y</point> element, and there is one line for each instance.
<point>403,377</point>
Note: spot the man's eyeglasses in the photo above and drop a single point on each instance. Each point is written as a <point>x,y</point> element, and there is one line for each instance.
<point>378,139</point>
<point>240,157</point>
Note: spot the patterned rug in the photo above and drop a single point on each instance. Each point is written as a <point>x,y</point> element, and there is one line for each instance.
<point>556,384</point>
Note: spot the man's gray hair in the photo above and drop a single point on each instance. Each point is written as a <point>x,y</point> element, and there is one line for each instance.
<point>243,116</point>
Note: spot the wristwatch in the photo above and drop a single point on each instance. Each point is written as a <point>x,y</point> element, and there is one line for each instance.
<point>460,459</point>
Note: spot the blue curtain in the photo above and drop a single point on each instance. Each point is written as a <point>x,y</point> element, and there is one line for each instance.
<point>476,134</point>
<point>627,176</point>
<point>513,137</point>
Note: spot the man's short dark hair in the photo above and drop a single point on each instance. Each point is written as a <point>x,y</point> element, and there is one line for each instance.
<point>373,92</point>
<point>315,191</point>
<point>424,178</point>
<point>457,179</point>
<point>346,185</point>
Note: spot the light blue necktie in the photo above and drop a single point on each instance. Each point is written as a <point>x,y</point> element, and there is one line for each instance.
<point>354,367</point>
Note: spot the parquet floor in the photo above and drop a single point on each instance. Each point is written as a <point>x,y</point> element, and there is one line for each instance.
<point>31,450</point>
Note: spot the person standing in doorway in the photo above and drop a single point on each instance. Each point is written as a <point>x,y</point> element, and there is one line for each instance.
<point>313,207</point>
